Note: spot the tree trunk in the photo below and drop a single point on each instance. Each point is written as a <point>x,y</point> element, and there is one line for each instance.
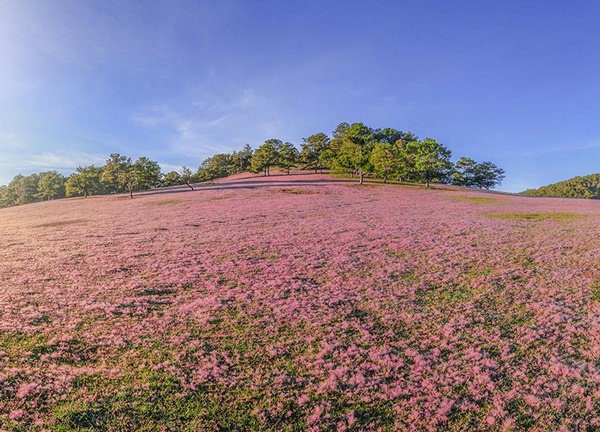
<point>288,171</point>
<point>189,185</point>
<point>362,176</point>
<point>131,193</point>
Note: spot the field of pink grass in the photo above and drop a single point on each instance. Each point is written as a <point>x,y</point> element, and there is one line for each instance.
<point>300,303</point>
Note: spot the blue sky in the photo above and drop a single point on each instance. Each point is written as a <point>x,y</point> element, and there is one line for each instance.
<point>515,82</point>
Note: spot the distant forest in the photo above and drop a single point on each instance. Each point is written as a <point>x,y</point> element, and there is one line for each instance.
<point>576,187</point>
<point>354,149</point>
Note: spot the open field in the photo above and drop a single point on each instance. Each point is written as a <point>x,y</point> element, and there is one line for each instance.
<point>300,303</point>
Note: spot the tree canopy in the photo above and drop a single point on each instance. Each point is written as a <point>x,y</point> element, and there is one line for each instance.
<point>353,149</point>
<point>577,187</point>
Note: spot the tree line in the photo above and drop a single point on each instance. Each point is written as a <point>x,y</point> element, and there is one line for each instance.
<point>577,187</point>
<point>352,149</point>
<point>361,151</point>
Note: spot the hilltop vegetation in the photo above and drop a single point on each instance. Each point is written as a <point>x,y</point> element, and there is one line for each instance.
<point>354,149</point>
<point>576,187</point>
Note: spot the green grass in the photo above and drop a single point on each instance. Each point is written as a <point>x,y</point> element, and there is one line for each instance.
<point>60,223</point>
<point>565,216</point>
<point>166,202</point>
<point>296,191</point>
<point>595,288</point>
<point>372,180</point>
<point>152,400</point>
<point>474,199</point>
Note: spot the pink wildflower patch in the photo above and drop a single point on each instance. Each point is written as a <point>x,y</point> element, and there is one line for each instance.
<point>349,308</point>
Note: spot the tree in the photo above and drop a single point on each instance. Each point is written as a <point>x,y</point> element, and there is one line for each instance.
<point>241,160</point>
<point>5,197</point>
<point>313,149</point>
<point>387,135</point>
<point>186,176</point>
<point>483,175</point>
<point>427,160</point>
<point>132,178</point>
<point>488,175</point>
<point>340,130</point>
<point>356,149</point>
<point>85,181</point>
<point>407,137</point>
<point>266,156</point>
<point>172,178</point>
<point>149,174</point>
<point>464,172</point>
<point>287,157</point>
<point>385,160</point>
<point>51,185</point>
<point>24,189</point>
<point>115,172</point>
<point>217,166</point>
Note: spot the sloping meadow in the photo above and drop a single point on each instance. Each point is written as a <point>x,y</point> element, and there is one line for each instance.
<point>308,306</point>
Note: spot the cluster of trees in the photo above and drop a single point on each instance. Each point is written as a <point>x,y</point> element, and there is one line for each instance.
<point>354,149</point>
<point>35,187</point>
<point>119,174</point>
<point>576,187</point>
<point>357,149</point>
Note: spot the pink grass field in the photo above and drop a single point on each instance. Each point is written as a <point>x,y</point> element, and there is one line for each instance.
<point>301,303</point>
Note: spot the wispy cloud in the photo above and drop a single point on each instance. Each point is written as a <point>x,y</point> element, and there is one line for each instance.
<point>562,149</point>
<point>9,142</point>
<point>212,121</point>
<point>52,160</point>
<point>166,167</point>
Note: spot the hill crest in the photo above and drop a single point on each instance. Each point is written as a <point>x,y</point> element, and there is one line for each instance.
<point>587,186</point>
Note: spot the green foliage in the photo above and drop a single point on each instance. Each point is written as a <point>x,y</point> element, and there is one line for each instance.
<point>354,152</point>
<point>385,160</point>
<point>266,156</point>
<point>427,161</point>
<point>287,157</point>
<point>5,197</point>
<point>114,174</point>
<point>51,185</point>
<point>241,160</point>
<point>577,187</point>
<point>187,177</point>
<point>148,173</point>
<point>388,135</point>
<point>353,149</point>
<point>483,175</point>
<point>172,178</point>
<point>85,181</point>
<point>23,189</point>
<point>217,166</point>
<point>313,150</point>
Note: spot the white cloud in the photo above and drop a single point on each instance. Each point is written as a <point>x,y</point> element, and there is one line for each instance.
<point>214,121</point>
<point>62,160</point>
<point>166,167</point>
<point>11,142</point>
<point>582,147</point>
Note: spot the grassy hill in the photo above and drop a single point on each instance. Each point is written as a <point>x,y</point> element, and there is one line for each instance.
<point>300,303</point>
<point>576,187</point>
